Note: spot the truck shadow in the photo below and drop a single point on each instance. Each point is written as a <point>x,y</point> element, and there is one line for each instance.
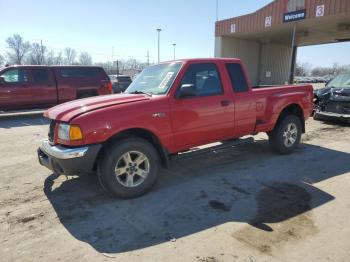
<point>247,184</point>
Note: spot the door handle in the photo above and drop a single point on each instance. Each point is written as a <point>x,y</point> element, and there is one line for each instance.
<point>225,102</point>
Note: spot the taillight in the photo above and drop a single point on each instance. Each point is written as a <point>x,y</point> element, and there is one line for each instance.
<point>109,86</point>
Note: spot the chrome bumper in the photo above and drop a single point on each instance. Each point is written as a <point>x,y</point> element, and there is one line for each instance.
<point>68,161</point>
<point>61,152</point>
<point>330,114</point>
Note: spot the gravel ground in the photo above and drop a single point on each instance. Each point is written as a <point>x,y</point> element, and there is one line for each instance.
<point>243,204</point>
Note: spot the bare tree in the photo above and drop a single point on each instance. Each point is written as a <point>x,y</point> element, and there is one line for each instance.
<point>18,48</point>
<point>303,69</point>
<point>50,58</point>
<point>53,59</point>
<point>69,56</point>
<point>85,58</point>
<point>131,63</point>
<point>2,60</point>
<point>37,54</point>
<point>58,59</point>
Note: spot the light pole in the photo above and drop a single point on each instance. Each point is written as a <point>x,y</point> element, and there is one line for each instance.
<point>217,10</point>
<point>159,29</point>
<point>174,45</point>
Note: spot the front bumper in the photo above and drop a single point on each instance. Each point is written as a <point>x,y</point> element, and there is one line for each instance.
<point>345,117</point>
<point>68,161</point>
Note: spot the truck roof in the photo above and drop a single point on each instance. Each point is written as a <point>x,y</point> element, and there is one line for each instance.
<point>211,59</point>
<point>81,66</point>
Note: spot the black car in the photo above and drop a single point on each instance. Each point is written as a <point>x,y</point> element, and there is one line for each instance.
<point>120,82</point>
<point>333,101</point>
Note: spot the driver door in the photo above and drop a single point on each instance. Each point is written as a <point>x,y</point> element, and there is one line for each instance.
<point>208,115</point>
<point>15,93</point>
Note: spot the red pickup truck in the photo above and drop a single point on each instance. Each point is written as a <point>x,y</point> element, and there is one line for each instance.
<point>31,87</point>
<point>169,108</point>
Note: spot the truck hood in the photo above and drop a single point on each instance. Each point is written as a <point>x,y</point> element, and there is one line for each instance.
<point>67,111</point>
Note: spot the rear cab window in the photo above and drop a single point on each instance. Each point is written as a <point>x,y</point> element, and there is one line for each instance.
<point>239,82</point>
<point>80,72</point>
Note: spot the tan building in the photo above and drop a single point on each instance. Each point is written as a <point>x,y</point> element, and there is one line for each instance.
<point>267,39</point>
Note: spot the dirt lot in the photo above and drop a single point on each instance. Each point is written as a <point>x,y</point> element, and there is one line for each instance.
<point>244,204</point>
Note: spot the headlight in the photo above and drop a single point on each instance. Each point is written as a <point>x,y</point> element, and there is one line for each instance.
<point>69,132</point>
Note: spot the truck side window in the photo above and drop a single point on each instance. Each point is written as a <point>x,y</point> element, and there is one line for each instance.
<point>15,76</point>
<point>205,78</point>
<point>40,75</point>
<point>79,72</point>
<point>238,80</point>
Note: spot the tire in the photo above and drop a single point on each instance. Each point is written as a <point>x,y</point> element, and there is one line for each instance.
<point>128,168</point>
<point>285,138</point>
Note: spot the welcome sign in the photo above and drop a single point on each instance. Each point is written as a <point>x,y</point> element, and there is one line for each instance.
<point>295,10</point>
<point>294,16</point>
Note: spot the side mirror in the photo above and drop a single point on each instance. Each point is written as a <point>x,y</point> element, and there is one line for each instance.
<point>186,90</point>
<point>2,80</point>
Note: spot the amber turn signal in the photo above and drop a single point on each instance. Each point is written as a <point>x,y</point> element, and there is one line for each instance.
<point>75,133</point>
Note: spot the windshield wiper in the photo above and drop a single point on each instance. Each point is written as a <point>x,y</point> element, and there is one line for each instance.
<point>140,92</point>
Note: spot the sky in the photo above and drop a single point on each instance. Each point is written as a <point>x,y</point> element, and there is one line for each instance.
<point>115,29</point>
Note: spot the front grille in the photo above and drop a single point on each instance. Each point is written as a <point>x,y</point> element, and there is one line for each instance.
<point>51,133</point>
<point>338,107</point>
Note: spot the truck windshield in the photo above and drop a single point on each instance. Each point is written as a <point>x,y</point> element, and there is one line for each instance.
<point>340,81</point>
<point>155,80</point>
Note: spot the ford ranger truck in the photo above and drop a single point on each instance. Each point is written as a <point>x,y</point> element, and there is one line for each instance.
<point>169,108</point>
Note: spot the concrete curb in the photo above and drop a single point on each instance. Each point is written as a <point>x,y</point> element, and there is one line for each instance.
<point>21,114</point>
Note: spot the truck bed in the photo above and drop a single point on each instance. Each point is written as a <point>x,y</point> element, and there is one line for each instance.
<point>279,96</point>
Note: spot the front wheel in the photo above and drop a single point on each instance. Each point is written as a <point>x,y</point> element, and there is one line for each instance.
<point>128,168</point>
<point>285,138</point>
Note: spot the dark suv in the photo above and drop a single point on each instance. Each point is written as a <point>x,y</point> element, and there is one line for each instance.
<point>120,82</point>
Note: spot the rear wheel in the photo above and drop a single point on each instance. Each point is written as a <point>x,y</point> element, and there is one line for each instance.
<point>128,168</point>
<point>285,138</point>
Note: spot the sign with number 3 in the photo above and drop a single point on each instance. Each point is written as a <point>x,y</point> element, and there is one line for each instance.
<point>320,10</point>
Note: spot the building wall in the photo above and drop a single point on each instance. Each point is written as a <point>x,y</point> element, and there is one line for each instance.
<point>255,22</point>
<point>266,64</point>
<point>274,64</point>
<point>247,51</point>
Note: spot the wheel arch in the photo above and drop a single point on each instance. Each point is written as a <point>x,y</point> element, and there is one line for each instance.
<point>141,133</point>
<point>292,109</point>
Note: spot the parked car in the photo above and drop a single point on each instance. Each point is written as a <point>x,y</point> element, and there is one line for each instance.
<point>333,101</point>
<point>120,83</point>
<point>170,108</point>
<point>29,87</point>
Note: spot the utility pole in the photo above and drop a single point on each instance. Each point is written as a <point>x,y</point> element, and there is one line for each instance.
<point>174,45</point>
<point>147,58</point>
<point>113,58</point>
<point>115,62</point>
<point>42,52</point>
<point>292,56</point>
<point>158,30</point>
